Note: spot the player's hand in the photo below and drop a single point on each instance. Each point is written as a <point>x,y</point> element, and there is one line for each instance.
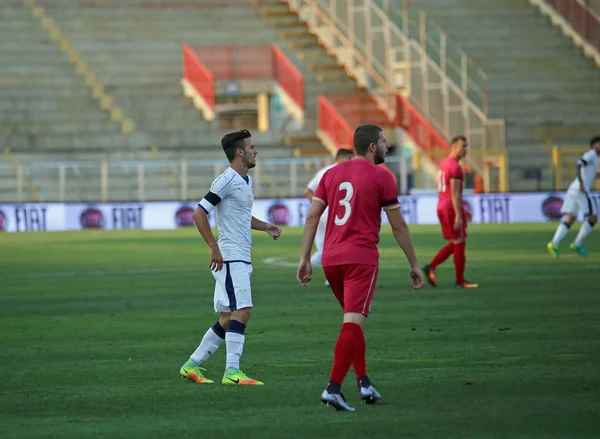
<point>417,278</point>
<point>216,259</point>
<point>304,272</point>
<point>458,222</point>
<point>273,231</point>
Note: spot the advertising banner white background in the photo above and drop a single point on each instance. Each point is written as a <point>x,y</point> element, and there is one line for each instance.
<point>421,209</point>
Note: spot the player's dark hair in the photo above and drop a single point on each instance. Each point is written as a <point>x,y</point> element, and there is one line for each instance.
<point>364,135</point>
<point>595,139</point>
<point>455,139</point>
<point>343,152</point>
<point>233,141</point>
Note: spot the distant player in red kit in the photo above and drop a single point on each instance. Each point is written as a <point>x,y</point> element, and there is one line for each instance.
<point>355,192</point>
<point>451,214</point>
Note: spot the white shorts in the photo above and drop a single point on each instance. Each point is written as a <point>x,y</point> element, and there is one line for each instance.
<point>579,202</point>
<point>232,288</point>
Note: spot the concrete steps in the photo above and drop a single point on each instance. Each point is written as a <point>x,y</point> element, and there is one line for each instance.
<point>540,83</point>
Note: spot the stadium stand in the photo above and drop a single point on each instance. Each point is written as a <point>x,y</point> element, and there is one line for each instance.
<point>542,85</point>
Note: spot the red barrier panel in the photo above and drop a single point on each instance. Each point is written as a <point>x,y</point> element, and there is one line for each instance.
<point>210,63</point>
<point>236,62</point>
<point>288,76</point>
<point>580,15</point>
<point>419,128</point>
<point>199,76</point>
<point>331,123</point>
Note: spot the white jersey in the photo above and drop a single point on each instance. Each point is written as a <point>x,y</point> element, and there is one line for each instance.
<point>314,183</point>
<point>588,170</point>
<point>232,196</point>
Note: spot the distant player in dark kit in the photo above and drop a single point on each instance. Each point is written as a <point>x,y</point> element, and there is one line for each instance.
<point>355,191</point>
<point>452,215</point>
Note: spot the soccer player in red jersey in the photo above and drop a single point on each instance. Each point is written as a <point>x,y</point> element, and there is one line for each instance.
<point>451,214</point>
<point>355,192</point>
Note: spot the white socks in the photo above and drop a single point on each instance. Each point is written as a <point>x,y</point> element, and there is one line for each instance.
<point>235,346</point>
<point>561,232</point>
<point>585,230</point>
<point>208,346</point>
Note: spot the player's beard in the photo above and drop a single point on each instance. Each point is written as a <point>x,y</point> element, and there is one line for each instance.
<point>379,157</point>
<point>250,162</point>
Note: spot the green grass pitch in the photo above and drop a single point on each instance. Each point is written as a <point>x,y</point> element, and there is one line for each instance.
<point>95,325</point>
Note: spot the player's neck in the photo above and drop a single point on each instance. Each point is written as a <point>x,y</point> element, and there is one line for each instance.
<point>455,157</point>
<point>240,168</point>
<point>362,157</point>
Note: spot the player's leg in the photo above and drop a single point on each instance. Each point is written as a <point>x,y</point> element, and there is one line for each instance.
<point>342,358</point>
<point>460,258</point>
<point>569,209</point>
<point>214,336</point>
<point>446,251</point>
<point>239,295</point>
<point>350,349</point>
<point>360,287</point>
<point>591,211</point>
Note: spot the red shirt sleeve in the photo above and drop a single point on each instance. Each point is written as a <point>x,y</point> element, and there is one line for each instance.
<point>388,193</point>
<point>455,171</point>
<point>321,191</point>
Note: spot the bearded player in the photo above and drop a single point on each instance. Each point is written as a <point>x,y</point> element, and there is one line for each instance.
<point>452,215</point>
<point>355,192</point>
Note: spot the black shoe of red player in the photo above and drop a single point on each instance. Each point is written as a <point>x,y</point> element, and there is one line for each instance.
<point>430,275</point>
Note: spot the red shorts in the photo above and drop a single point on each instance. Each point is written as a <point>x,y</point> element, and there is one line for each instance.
<point>447,217</point>
<point>353,286</point>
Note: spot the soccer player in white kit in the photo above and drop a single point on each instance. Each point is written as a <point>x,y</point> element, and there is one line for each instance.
<point>231,194</point>
<point>578,200</point>
<point>341,155</point>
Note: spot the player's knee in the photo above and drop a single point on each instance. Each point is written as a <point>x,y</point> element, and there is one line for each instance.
<point>241,315</point>
<point>354,317</point>
<point>224,319</point>
<point>592,219</point>
<point>568,220</point>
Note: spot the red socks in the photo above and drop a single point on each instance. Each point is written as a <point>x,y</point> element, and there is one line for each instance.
<point>359,362</point>
<point>350,349</point>
<point>444,253</point>
<point>459,261</point>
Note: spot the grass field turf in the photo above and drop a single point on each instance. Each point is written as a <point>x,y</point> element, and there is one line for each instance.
<point>95,325</point>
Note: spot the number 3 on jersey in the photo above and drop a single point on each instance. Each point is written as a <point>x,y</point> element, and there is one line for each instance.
<point>345,203</point>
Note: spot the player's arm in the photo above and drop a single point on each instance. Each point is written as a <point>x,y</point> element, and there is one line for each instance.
<point>581,164</point>
<point>262,226</point>
<point>203,225</point>
<point>404,240</point>
<point>219,190</point>
<point>308,194</point>
<point>455,187</point>
<point>402,235</point>
<point>308,238</point>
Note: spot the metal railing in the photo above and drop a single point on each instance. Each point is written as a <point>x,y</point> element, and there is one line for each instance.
<point>583,16</point>
<point>450,58</point>
<point>385,61</point>
<point>150,181</point>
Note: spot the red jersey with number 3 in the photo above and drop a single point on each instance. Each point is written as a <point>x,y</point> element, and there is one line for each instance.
<point>449,169</point>
<point>355,192</point>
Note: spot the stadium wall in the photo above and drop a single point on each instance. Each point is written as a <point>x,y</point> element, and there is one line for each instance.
<point>418,209</point>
